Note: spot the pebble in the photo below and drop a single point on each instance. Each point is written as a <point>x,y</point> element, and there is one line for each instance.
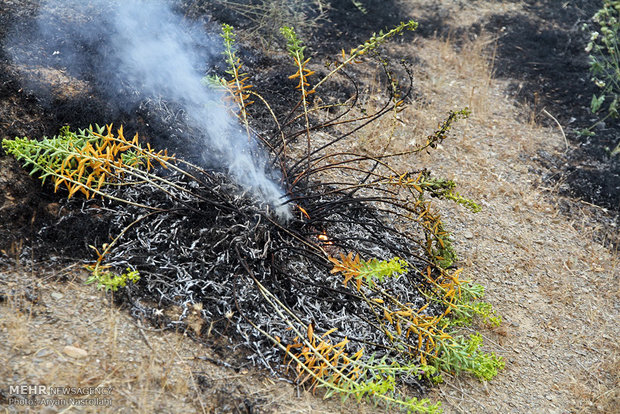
<point>57,296</point>
<point>75,352</point>
<point>468,234</point>
<point>42,353</point>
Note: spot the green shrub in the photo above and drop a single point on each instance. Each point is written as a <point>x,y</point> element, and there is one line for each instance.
<point>111,281</point>
<point>604,51</point>
<point>604,64</point>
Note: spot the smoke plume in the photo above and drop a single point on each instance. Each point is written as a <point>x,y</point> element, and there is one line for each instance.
<point>141,49</point>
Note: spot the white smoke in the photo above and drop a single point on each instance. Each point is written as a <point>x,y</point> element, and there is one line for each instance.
<point>143,43</point>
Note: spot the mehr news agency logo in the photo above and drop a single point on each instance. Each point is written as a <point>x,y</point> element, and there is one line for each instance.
<point>33,395</point>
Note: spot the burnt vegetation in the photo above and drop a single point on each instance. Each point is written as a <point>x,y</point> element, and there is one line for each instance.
<point>348,282</point>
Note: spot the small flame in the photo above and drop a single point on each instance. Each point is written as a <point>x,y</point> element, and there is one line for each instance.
<point>324,238</point>
<point>305,213</point>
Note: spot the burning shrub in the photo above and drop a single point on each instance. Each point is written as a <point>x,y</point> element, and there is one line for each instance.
<point>349,278</point>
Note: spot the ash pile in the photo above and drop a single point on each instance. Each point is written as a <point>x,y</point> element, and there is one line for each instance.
<point>221,246</point>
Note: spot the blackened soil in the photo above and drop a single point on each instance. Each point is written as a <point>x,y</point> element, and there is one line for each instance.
<point>20,114</point>
<point>543,51</point>
<point>348,25</point>
<point>341,24</point>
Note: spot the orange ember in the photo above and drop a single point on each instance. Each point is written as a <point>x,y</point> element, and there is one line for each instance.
<point>323,237</point>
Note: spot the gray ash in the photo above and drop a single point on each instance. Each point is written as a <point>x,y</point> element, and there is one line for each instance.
<point>206,247</point>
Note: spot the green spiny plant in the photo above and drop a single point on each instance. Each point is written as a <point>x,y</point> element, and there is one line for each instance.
<point>92,160</point>
<point>87,160</point>
<point>237,84</point>
<point>368,271</point>
<point>109,280</point>
<point>359,6</point>
<point>296,51</point>
<point>471,306</point>
<point>371,44</point>
<point>329,366</point>
<point>440,134</point>
<point>443,188</point>
<point>604,60</point>
<point>463,355</point>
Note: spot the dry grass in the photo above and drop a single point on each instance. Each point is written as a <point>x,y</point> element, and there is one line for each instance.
<point>554,284</point>
<point>37,327</point>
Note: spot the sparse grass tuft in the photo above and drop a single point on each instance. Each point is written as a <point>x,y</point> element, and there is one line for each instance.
<point>111,281</point>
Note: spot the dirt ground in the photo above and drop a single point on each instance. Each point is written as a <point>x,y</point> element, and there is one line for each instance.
<point>543,245</point>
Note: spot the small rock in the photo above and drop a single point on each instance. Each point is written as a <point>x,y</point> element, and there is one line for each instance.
<point>42,353</point>
<point>468,234</point>
<point>75,352</point>
<point>57,296</point>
